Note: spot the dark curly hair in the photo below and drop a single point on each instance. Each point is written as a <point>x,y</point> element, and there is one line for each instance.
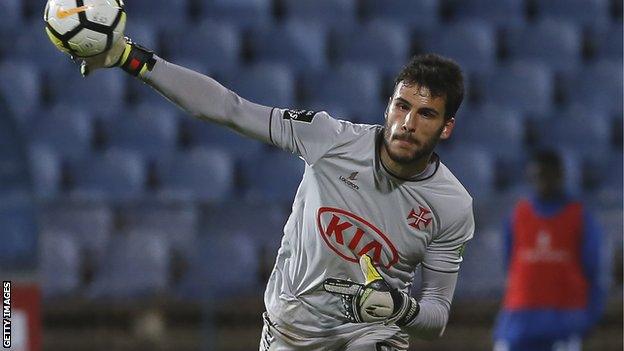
<point>442,76</point>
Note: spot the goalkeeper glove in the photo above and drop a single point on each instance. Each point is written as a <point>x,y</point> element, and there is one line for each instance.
<point>375,301</point>
<point>124,53</point>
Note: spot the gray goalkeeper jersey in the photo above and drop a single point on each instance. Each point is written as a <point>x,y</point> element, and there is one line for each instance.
<point>347,205</point>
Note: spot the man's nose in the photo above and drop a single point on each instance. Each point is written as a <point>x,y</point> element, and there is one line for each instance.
<point>409,123</point>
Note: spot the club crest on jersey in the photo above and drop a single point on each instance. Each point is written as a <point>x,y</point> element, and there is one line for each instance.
<point>350,236</point>
<point>419,220</point>
<point>299,115</point>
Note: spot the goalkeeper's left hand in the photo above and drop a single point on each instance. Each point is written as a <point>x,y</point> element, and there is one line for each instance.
<point>375,301</point>
<point>124,53</point>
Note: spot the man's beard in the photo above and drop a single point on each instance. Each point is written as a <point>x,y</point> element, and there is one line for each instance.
<point>425,150</point>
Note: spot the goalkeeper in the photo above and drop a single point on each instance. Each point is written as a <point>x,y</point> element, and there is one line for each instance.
<point>375,203</point>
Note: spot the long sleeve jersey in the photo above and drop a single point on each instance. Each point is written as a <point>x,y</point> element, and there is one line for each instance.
<point>348,204</point>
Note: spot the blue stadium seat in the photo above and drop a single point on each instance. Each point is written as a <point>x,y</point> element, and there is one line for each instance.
<point>247,14</point>
<point>115,175</point>
<point>583,130</point>
<point>609,191</point>
<point>302,46</point>
<point>275,176</point>
<point>607,42</point>
<point>497,128</point>
<point>104,92</point>
<point>136,265</point>
<point>90,224</point>
<point>378,43</point>
<point>610,218</point>
<point>211,135</point>
<point>474,167</point>
<point>265,84</point>
<point>244,218</point>
<point>334,13</point>
<point>45,170</point>
<point>162,13</point>
<point>613,176</point>
<point>423,14</point>
<point>19,232</point>
<point>145,33</point>
<point>218,45</point>
<point>148,130</point>
<point>31,38</point>
<point>20,89</point>
<point>523,86</point>
<point>6,38</point>
<point>12,14</point>
<point>597,86</point>
<point>482,272</point>
<point>573,168</point>
<point>499,13</point>
<point>59,261</point>
<point>204,281</point>
<point>66,130</point>
<point>602,178</point>
<point>14,171</point>
<point>177,223</point>
<point>500,130</point>
<point>554,43</point>
<point>471,43</point>
<point>355,87</point>
<point>201,174</point>
<point>584,12</point>
<point>339,111</point>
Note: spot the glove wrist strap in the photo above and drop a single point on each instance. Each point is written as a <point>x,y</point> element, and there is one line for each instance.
<point>136,59</point>
<point>410,310</point>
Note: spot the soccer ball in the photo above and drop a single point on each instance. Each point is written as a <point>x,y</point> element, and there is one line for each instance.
<point>84,28</point>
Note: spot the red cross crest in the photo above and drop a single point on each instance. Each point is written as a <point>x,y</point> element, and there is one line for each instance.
<point>419,218</point>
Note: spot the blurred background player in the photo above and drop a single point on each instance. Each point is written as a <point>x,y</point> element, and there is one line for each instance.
<point>555,262</point>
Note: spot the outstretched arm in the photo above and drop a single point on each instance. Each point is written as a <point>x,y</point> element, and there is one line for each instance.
<point>206,99</point>
<point>305,133</point>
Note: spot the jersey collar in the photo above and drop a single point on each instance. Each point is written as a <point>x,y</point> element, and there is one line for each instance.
<point>428,172</point>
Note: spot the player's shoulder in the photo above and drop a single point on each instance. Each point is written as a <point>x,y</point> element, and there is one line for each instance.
<point>353,127</point>
<point>452,187</point>
<point>351,133</point>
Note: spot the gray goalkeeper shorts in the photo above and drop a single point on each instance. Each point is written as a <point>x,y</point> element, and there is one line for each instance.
<point>368,338</point>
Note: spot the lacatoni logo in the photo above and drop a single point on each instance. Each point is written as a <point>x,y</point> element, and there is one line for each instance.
<point>351,236</point>
<point>350,181</point>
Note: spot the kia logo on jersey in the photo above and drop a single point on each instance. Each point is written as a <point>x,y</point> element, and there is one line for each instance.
<point>351,236</point>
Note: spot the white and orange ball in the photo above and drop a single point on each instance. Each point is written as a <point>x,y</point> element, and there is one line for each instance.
<point>84,28</point>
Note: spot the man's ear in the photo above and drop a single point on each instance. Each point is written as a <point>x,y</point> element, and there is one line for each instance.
<point>448,128</point>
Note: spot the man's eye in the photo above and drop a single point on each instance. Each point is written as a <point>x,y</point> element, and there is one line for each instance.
<point>402,106</point>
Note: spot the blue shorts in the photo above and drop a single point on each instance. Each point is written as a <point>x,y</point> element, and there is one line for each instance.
<point>570,344</point>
